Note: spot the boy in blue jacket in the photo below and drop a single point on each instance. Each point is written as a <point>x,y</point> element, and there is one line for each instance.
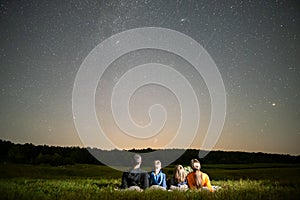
<point>157,177</point>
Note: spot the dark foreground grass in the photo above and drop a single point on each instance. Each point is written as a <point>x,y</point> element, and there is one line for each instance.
<point>99,182</point>
<point>23,188</point>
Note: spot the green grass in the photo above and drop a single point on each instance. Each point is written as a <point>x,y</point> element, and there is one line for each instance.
<point>60,172</point>
<point>100,182</point>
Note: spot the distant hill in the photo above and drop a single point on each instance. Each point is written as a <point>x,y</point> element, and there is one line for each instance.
<point>55,155</point>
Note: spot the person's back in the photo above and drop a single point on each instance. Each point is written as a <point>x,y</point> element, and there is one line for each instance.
<point>198,179</point>
<point>191,179</point>
<point>157,177</point>
<point>135,177</point>
<point>178,181</point>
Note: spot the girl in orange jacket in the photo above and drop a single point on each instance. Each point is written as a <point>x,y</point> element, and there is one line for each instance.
<point>198,179</point>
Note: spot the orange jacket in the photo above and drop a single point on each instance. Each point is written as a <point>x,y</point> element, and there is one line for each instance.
<point>192,183</point>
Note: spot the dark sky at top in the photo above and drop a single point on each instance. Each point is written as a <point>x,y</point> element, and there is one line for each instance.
<point>255,44</point>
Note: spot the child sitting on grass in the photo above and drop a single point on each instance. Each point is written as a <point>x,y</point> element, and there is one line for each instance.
<point>178,181</point>
<point>157,177</point>
<point>198,179</point>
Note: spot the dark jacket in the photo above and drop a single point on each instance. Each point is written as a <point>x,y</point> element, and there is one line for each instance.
<point>175,183</point>
<point>135,177</point>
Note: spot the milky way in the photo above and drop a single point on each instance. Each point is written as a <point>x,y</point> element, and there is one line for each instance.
<point>255,45</point>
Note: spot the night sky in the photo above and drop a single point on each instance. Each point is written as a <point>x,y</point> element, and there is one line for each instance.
<point>255,45</point>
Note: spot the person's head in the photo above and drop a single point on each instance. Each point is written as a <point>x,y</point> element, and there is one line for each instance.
<point>157,165</point>
<point>137,159</point>
<point>179,174</point>
<point>195,164</point>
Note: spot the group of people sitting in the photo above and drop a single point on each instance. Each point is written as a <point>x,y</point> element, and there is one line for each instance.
<point>183,179</point>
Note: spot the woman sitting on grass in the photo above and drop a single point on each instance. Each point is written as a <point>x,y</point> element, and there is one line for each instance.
<point>198,179</point>
<point>157,177</point>
<point>178,181</point>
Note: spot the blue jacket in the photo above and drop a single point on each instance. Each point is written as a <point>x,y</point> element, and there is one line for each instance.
<point>159,179</point>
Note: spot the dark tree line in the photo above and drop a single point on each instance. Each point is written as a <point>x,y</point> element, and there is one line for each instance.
<point>44,154</point>
<point>55,155</point>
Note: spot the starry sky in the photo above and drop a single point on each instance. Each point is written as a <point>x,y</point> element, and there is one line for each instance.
<point>255,45</point>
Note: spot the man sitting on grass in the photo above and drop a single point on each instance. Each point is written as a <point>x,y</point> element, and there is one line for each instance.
<point>135,178</point>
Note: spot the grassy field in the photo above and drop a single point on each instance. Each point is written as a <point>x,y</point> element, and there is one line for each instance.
<point>256,181</point>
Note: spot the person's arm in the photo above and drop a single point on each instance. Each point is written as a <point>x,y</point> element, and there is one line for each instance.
<point>189,179</point>
<point>172,182</point>
<point>150,178</point>
<point>145,180</point>
<point>164,183</point>
<point>206,182</point>
<point>124,181</point>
